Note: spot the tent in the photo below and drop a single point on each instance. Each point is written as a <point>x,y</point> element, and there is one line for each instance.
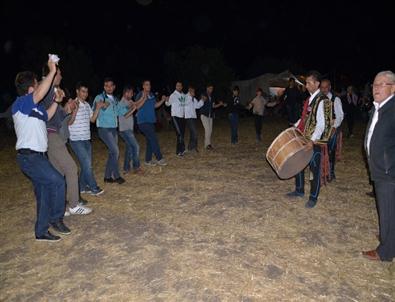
<point>272,84</point>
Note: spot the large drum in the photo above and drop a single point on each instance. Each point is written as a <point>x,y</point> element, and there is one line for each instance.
<point>288,154</point>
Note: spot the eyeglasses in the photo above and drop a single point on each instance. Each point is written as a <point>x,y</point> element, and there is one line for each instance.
<point>381,85</point>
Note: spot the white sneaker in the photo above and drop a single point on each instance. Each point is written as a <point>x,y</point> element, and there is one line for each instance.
<point>162,162</point>
<point>66,213</point>
<point>150,163</point>
<point>80,210</point>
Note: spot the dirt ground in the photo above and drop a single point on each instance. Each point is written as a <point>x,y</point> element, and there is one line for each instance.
<point>213,226</point>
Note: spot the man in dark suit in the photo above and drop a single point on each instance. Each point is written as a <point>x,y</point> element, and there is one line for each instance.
<point>380,150</point>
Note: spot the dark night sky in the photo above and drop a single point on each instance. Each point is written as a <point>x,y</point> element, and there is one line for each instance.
<point>351,38</point>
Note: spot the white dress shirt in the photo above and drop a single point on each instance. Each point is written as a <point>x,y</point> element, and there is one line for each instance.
<point>375,119</point>
<point>338,110</point>
<point>191,104</point>
<point>177,103</point>
<point>320,127</point>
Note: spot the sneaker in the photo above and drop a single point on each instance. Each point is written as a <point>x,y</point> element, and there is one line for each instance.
<point>60,227</point>
<point>66,213</point>
<point>180,154</point>
<point>209,147</point>
<point>150,163</point>
<point>97,192</point>
<point>108,180</point>
<point>48,237</point>
<point>311,204</point>
<point>162,162</point>
<point>86,191</point>
<point>80,210</point>
<point>83,202</point>
<point>294,194</point>
<point>119,180</point>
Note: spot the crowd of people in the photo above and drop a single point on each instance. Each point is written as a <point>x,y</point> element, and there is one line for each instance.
<point>44,127</point>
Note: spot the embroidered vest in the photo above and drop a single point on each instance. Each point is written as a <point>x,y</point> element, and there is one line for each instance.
<point>333,106</point>
<point>308,121</point>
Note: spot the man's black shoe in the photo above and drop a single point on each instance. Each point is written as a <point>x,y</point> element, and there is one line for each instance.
<point>109,180</point>
<point>48,237</point>
<point>60,227</point>
<point>119,180</point>
<point>371,194</point>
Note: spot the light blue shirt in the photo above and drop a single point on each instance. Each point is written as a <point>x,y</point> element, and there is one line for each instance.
<point>108,117</point>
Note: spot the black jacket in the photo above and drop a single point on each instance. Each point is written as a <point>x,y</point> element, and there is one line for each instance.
<point>234,106</point>
<point>207,108</point>
<point>381,157</point>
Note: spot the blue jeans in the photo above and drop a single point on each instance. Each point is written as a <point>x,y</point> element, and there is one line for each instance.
<point>132,150</point>
<point>83,151</point>
<point>148,129</point>
<point>49,188</point>
<point>109,136</point>
<point>315,183</point>
<point>234,123</point>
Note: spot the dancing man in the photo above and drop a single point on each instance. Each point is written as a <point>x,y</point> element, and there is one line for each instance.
<point>177,101</point>
<point>146,104</point>
<point>190,116</point>
<point>107,123</point>
<point>80,139</point>
<point>30,118</point>
<point>207,114</point>
<point>126,108</point>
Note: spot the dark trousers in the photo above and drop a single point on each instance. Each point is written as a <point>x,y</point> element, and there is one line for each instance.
<point>332,144</point>
<point>315,168</point>
<point>152,146</point>
<point>292,113</point>
<point>385,196</point>
<point>193,140</point>
<point>350,118</point>
<point>109,136</point>
<point>49,188</point>
<point>234,124</point>
<point>258,126</point>
<point>179,126</point>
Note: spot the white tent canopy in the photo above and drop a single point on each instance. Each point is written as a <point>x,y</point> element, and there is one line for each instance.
<point>270,83</point>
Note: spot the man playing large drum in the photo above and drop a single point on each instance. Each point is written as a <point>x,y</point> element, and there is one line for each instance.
<point>315,124</point>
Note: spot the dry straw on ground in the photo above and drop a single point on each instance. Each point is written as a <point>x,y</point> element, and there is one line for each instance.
<point>213,226</point>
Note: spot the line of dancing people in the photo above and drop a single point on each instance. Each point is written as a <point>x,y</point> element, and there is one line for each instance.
<point>51,126</point>
<point>43,128</point>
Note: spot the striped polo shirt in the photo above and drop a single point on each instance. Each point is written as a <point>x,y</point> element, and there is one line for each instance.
<point>80,130</point>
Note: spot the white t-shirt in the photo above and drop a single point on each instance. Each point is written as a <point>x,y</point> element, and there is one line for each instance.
<point>80,130</point>
<point>30,124</point>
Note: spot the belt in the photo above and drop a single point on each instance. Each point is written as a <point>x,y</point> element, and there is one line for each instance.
<point>29,151</point>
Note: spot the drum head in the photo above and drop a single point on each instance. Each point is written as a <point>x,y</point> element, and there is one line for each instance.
<point>295,164</point>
